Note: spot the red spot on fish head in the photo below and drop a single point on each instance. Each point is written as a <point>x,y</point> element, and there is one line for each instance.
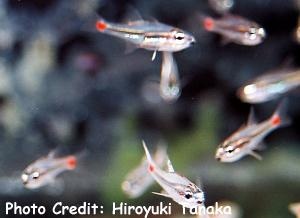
<point>151,168</point>
<point>71,162</point>
<point>208,23</point>
<point>276,120</point>
<point>101,26</point>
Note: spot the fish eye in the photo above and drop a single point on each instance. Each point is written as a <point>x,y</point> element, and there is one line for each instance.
<point>188,195</point>
<point>35,175</point>
<point>179,35</point>
<point>251,34</point>
<point>230,149</point>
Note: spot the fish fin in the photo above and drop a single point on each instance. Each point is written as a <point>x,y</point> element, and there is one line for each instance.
<point>130,48</point>
<point>170,166</point>
<point>52,154</point>
<point>154,55</point>
<point>279,117</point>
<point>251,118</point>
<point>255,155</point>
<point>199,183</point>
<point>260,146</point>
<point>101,24</point>
<point>162,194</point>
<point>71,162</point>
<point>151,163</point>
<point>132,15</point>
<point>207,22</point>
<point>225,41</point>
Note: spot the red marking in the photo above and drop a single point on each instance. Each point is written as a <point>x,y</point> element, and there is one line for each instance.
<point>276,120</point>
<point>151,168</point>
<point>208,23</point>
<point>101,26</point>
<point>71,162</point>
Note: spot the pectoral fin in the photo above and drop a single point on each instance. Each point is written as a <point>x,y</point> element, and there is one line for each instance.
<point>170,166</point>
<point>255,155</point>
<point>130,48</point>
<point>153,55</point>
<point>162,194</point>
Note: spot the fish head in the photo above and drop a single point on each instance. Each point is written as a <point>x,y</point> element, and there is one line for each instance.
<point>192,197</point>
<point>260,91</point>
<point>179,40</point>
<point>231,150</point>
<point>254,35</point>
<point>33,177</point>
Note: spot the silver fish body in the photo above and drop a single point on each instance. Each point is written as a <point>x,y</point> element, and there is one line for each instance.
<point>248,138</point>
<point>176,187</point>
<point>44,170</point>
<point>138,180</point>
<point>236,29</point>
<point>153,36</point>
<point>269,86</point>
<point>170,89</point>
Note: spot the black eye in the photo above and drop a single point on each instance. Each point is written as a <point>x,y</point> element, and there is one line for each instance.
<point>230,151</point>
<point>35,175</point>
<point>188,196</point>
<point>179,36</point>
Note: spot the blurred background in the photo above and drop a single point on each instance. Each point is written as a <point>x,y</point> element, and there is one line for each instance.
<point>64,86</point>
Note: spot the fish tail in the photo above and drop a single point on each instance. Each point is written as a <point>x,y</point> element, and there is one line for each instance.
<point>152,164</point>
<point>101,24</point>
<point>208,23</point>
<point>71,162</point>
<point>279,117</point>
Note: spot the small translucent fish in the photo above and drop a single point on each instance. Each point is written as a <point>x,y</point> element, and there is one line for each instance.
<point>176,187</point>
<point>138,180</point>
<point>221,6</point>
<point>269,86</point>
<point>149,35</point>
<point>235,29</point>
<point>249,137</point>
<point>169,82</point>
<point>44,170</point>
<point>295,209</point>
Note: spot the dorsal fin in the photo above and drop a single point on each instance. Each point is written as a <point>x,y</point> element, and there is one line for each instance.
<point>251,117</point>
<point>170,166</point>
<point>132,15</point>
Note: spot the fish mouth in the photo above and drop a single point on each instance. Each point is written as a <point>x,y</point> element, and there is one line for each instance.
<point>192,41</point>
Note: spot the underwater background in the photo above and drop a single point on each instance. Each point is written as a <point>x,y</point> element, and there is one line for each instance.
<point>64,86</point>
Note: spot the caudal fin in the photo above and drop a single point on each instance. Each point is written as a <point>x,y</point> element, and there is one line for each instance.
<point>71,162</point>
<point>207,22</point>
<point>101,25</point>
<point>279,117</point>
<point>152,165</point>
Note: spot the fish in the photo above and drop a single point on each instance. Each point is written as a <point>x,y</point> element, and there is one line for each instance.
<point>221,6</point>
<point>177,187</point>
<point>170,88</point>
<point>235,29</point>
<point>44,170</point>
<point>269,86</point>
<point>138,180</point>
<point>149,35</point>
<point>295,209</point>
<point>248,138</point>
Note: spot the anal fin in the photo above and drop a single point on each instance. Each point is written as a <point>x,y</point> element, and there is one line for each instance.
<point>255,155</point>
